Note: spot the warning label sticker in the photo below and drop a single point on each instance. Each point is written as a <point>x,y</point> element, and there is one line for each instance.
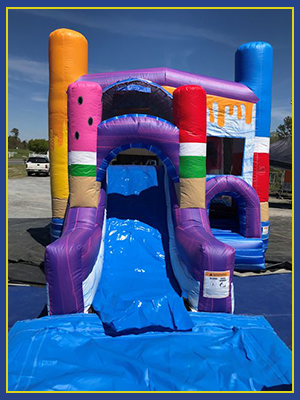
<point>216,284</point>
<point>265,230</point>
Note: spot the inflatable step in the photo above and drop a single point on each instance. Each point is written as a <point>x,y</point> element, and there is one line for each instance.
<point>249,252</point>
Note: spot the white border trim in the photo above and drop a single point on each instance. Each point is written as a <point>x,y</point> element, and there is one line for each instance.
<point>261,145</point>
<point>82,157</point>
<point>192,149</point>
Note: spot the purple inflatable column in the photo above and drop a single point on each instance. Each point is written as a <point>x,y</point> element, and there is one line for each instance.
<point>84,114</point>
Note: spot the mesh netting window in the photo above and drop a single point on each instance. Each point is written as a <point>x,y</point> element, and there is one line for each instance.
<point>225,156</point>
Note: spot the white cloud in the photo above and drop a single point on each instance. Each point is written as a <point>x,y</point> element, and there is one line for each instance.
<point>39,97</point>
<point>24,69</point>
<point>281,112</point>
<point>127,25</point>
<point>171,58</point>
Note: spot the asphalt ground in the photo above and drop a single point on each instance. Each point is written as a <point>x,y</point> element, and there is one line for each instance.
<point>29,197</point>
<point>15,161</point>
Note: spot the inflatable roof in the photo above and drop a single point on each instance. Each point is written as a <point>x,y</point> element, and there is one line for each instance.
<point>174,78</point>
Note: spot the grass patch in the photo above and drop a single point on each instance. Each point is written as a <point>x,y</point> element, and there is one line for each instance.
<point>19,153</point>
<point>16,171</point>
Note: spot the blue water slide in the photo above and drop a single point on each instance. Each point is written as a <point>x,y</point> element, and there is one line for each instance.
<point>134,292</point>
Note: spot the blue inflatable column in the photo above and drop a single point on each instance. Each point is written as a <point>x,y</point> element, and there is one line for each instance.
<point>56,228</point>
<point>253,68</point>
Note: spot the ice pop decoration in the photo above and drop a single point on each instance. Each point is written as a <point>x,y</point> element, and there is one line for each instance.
<point>84,115</point>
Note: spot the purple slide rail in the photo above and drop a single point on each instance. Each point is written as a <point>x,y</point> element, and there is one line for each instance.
<point>201,251</point>
<point>70,259</point>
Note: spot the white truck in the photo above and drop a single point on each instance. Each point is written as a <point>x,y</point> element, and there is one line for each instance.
<point>38,165</point>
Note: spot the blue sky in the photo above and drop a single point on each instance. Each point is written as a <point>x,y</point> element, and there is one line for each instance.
<point>197,41</point>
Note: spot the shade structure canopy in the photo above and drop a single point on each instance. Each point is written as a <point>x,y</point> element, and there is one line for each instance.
<point>281,153</point>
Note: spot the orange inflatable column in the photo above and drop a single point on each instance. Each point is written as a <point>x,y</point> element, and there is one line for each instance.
<point>68,60</point>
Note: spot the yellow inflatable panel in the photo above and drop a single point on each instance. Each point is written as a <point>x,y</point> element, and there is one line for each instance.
<point>169,89</point>
<point>68,60</point>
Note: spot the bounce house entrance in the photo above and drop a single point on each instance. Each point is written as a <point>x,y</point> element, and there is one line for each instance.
<point>224,213</point>
<point>234,216</point>
<point>136,157</point>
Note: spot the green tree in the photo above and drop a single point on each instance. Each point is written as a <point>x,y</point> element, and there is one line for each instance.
<point>286,128</point>
<point>12,142</point>
<point>15,132</point>
<point>274,136</point>
<point>38,146</point>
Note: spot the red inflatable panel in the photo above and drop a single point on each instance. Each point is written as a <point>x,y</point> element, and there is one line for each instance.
<point>261,175</point>
<point>189,113</point>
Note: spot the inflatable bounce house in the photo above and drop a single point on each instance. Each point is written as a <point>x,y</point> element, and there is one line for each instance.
<point>202,181</point>
<point>159,182</point>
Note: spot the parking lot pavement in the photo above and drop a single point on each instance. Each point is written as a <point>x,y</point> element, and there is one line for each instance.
<point>29,197</point>
<point>15,161</point>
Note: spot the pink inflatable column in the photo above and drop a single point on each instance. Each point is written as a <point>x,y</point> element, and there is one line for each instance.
<point>84,115</point>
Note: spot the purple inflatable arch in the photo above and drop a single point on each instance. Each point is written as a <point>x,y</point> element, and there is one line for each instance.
<point>246,199</point>
<point>138,131</point>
